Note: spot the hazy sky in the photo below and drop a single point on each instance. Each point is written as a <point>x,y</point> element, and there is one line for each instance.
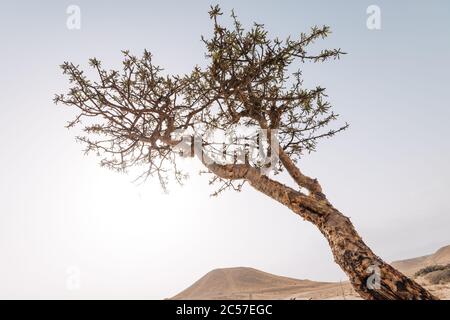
<point>70,229</point>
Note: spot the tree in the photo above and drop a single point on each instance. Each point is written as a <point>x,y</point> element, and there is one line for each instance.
<point>140,117</point>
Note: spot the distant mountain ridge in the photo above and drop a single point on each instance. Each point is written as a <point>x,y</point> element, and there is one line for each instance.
<point>411,266</point>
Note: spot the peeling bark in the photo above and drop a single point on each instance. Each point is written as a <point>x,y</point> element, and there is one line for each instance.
<point>350,252</point>
<point>359,262</point>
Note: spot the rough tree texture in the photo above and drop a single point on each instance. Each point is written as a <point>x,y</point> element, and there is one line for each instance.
<point>141,118</point>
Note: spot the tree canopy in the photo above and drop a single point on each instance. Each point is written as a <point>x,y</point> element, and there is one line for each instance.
<point>138,116</point>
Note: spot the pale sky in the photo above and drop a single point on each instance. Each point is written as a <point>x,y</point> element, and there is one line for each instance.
<point>70,229</point>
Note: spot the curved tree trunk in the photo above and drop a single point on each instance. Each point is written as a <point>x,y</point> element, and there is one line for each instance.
<point>370,276</point>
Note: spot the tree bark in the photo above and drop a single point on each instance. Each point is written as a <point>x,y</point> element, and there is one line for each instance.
<point>370,276</point>
<point>359,263</point>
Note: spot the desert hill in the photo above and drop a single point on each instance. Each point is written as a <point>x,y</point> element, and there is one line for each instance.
<point>248,283</point>
<point>411,266</point>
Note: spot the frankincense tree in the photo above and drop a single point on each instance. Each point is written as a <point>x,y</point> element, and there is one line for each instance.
<point>141,117</point>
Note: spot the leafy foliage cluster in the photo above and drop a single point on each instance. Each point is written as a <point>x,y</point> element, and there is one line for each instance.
<point>132,117</point>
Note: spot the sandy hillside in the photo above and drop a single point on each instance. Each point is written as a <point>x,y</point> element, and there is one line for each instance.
<point>248,283</point>
<point>411,266</point>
